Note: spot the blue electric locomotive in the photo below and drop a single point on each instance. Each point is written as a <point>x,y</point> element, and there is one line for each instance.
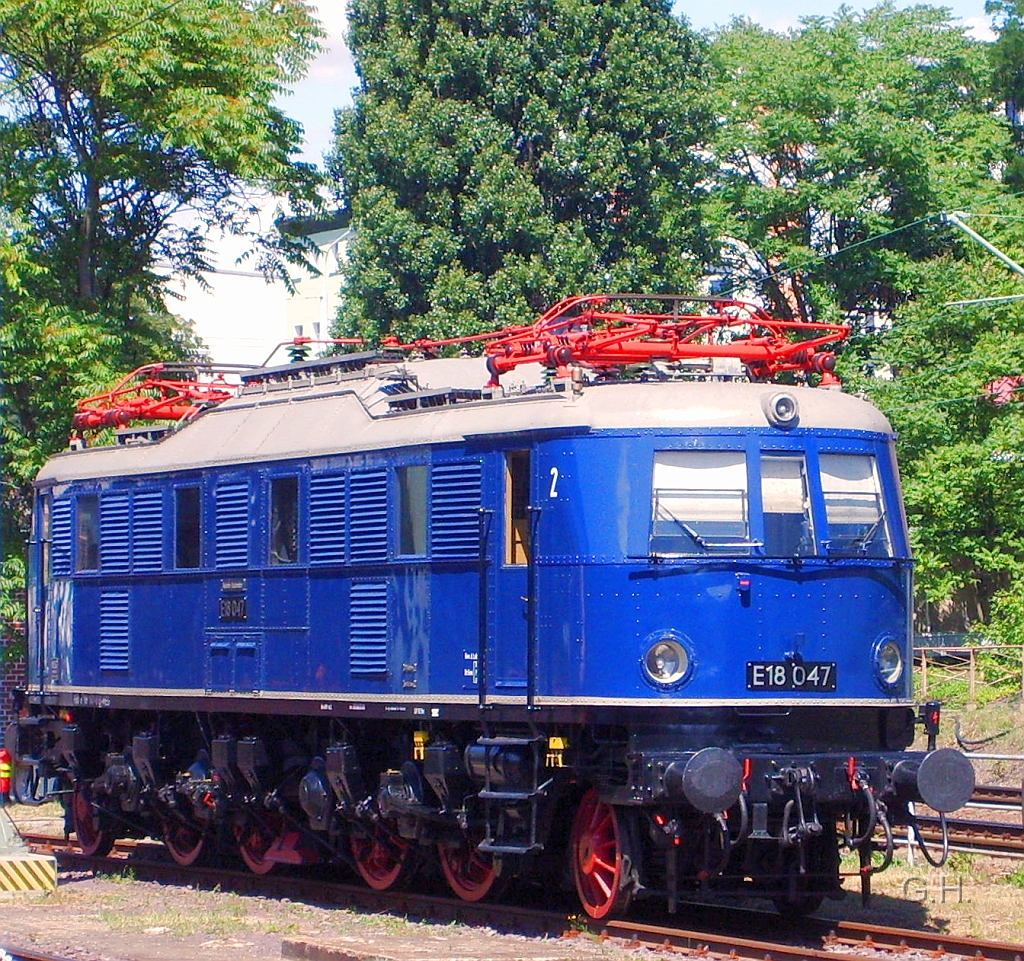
<point>653,628</point>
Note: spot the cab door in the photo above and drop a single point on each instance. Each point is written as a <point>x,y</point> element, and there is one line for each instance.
<point>509,548</point>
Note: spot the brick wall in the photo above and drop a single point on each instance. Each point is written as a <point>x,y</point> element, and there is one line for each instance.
<point>12,675</point>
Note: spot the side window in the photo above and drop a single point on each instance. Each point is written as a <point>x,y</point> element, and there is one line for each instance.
<point>699,503</point>
<point>786,505</point>
<point>187,527</point>
<point>284,520</point>
<point>853,506</point>
<point>412,510</point>
<point>517,500</point>
<point>87,533</point>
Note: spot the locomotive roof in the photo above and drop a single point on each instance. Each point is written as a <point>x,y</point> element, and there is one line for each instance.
<point>387,406</point>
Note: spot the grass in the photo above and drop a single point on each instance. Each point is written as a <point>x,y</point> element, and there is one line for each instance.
<point>217,919</point>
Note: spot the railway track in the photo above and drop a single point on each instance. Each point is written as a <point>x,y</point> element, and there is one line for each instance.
<point>992,838</point>
<point>997,796</point>
<point>709,931</point>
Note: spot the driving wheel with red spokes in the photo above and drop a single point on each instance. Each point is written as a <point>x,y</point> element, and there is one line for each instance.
<point>92,826</point>
<point>184,841</point>
<point>382,858</point>
<point>255,835</point>
<point>470,874</point>
<point>600,854</point>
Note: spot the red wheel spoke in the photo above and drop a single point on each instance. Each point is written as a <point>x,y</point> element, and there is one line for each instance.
<point>598,855</point>
<point>381,859</point>
<point>470,875</point>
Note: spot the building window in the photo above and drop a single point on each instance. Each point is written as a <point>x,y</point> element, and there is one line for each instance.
<point>412,510</point>
<point>517,503</point>
<point>87,528</point>
<point>284,520</point>
<point>186,527</point>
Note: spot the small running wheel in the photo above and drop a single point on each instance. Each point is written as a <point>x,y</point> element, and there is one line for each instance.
<point>255,835</point>
<point>469,873</point>
<point>600,854</point>
<point>92,827</point>
<point>184,841</point>
<point>28,786</point>
<point>382,858</point>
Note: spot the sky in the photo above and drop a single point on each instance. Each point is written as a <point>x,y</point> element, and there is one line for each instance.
<point>331,78</point>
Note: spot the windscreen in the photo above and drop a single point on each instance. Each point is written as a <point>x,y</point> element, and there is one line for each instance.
<point>700,503</point>
<point>854,509</point>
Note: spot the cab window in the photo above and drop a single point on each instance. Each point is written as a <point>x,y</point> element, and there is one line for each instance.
<point>786,505</point>
<point>700,503</point>
<point>854,510</point>
<point>517,504</point>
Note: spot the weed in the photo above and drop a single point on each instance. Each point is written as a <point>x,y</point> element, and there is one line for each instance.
<point>1015,877</point>
<point>125,876</point>
<point>960,863</point>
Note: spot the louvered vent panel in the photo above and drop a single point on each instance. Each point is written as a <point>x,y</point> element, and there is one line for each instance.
<point>147,532</point>
<point>455,510</point>
<point>60,538</point>
<point>115,631</point>
<point>368,629</point>
<point>327,519</point>
<point>368,516</point>
<point>232,525</point>
<point>115,532</point>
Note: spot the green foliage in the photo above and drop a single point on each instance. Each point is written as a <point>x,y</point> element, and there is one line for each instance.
<point>503,154</point>
<point>837,133</point>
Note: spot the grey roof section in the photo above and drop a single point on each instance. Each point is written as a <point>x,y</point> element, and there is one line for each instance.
<point>350,413</point>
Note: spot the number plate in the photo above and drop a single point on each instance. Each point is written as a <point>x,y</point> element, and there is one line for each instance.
<point>233,609</point>
<point>791,676</point>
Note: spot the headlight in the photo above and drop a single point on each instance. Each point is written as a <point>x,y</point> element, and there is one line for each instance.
<point>889,663</point>
<point>666,661</point>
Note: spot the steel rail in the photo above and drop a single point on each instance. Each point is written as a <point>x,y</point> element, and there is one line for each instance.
<point>714,931</point>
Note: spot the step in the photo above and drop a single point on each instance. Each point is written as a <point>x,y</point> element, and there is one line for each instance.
<point>489,847</point>
<point>508,741</point>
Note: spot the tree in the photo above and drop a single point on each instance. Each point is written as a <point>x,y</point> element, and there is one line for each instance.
<point>118,117</point>
<point>503,154</point>
<point>837,133</point>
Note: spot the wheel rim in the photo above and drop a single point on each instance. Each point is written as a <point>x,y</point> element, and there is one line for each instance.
<point>380,857</point>
<point>184,841</point>
<point>255,837</point>
<point>597,857</point>
<point>469,873</point>
<point>93,839</point>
